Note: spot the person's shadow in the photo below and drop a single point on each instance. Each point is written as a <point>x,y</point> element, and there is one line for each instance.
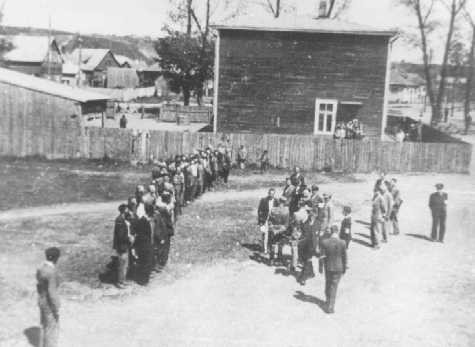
<point>362,242</point>
<point>420,237</point>
<point>33,334</point>
<point>299,295</point>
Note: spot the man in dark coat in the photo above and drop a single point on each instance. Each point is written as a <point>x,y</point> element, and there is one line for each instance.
<point>48,298</point>
<point>143,245</point>
<point>438,207</point>
<point>121,244</point>
<point>307,246</point>
<point>333,252</point>
<point>163,232</point>
<point>263,213</point>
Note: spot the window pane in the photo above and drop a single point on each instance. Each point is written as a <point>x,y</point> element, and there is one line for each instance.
<point>330,107</point>
<point>329,123</point>
<point>322,107</point>
<point>320,122</point>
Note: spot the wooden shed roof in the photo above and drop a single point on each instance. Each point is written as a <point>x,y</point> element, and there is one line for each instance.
<point>48,87</point>
<point>302,24</point>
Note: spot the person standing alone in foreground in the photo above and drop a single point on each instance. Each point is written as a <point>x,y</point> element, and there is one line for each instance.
<point>438,207</point>
<point>48,298</point>
<point>263,213</point>
<point>333,253</point>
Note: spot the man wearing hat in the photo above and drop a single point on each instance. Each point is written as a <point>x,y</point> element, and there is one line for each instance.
<point>278,225</point>
<point>438,207</point>
<point>48,298</point>
<point>333,254</point>
<point>263,213</point>
<point>121,244</point>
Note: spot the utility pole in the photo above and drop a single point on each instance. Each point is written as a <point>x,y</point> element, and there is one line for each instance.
<point>49,48</point>
<point>79,61</point>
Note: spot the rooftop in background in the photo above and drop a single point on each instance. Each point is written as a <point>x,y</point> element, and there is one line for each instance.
<point>31,49</point>
<point>48,87</point>
<point>90,57</point>
<point>302,24</point>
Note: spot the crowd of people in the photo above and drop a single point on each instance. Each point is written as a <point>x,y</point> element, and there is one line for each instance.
<point>352,130</point>
<point>305,219</point>
<point>146,223</point>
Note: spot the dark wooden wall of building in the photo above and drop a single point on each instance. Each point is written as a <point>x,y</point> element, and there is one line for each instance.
<point>265,75</point>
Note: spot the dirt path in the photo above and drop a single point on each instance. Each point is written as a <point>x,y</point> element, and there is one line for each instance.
<point>411,293</point>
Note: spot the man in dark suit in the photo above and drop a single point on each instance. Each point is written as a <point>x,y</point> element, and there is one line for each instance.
<point>48,298</point>
<point>263,213</point>
<point>438,207</point>
<point>121,244</point>
<point>333,253</point>
<point>163,231</point>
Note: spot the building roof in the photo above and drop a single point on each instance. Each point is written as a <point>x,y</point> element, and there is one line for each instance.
<point>70,68</point>
<point>48,87</point>
<point>302,24</point>
<point>30,49</point>
<point>90,57</point>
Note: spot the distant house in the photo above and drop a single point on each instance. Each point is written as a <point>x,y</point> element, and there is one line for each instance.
<point>148,75</point>
<point>406,87</point>
<point>94,63</point>
<point>300,75</point>
<point>35,55</point>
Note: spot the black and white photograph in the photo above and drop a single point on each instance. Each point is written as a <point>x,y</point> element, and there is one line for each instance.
<point>237,173</point>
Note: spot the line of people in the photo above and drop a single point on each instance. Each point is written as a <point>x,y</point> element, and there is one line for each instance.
<point>304,219</point>
<point>146,223</point>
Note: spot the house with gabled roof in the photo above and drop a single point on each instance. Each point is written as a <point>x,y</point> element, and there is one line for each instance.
<point>35,55</point>
<point>93,63</point>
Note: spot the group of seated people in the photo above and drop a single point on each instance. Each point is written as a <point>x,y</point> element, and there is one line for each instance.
<point>146,223</point>
<point>352,130</point>
<point>300,217</point>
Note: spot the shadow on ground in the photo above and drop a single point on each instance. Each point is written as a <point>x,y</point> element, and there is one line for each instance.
<point>33,334</point>
<point>310,299</point>
<point>420,237</point>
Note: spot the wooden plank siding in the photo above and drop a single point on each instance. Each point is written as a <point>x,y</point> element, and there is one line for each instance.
<point>265,75</point>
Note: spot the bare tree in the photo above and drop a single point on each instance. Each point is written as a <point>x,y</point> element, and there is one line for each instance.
<point>470,76</point>
<point>424,10</point>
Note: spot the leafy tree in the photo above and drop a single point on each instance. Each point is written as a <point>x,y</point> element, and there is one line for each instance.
<point>181,58</point>
<point>5,44</point>
<point>471,73</point>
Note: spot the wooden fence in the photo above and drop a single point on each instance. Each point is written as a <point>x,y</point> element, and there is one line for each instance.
<point>286,151</point>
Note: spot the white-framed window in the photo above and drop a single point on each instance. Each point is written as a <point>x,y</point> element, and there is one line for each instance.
<point>325,116</point>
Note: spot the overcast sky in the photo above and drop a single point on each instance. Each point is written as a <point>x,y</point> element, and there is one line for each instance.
<point>146,17</point>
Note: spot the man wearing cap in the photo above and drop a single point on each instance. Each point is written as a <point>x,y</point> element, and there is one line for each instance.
<point>397,202</point>
<point>278,225</point>
<point>438,206</point>
<point>121,244</point>
<point>333,253</point>
<point>388,207</point>
<point>48,298</point>
<point>263,213</point>
<point>378,213</point>
<point>307,245</point>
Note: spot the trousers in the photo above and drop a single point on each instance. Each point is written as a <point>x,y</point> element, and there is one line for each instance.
<point>162,251</point>
<point>50,327</point>
<point>394,218</point>
<point>438,225</point>
<point>332,278</point>
<point>376,227</point>
<point>123,266</point>
<point>264,229</point>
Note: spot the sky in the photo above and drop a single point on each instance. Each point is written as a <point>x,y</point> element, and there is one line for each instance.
<point>146,17</point>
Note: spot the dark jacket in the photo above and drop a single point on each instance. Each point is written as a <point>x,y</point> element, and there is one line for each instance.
<point>263,211</point>
<point>438,202</point>
<point>163,225</point>
<point>334,252</point>
<point>121,242</point>
<point>297,179</point>
<point>345,226</point>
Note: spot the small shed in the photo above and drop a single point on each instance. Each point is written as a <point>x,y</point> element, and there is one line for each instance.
<point>122,77</point>
<point>300,75</point>
<point>38,116</point>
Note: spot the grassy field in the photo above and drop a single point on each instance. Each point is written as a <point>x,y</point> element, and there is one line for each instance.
<point>36,182</point>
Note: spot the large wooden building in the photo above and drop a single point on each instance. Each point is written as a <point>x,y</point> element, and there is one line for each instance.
<point>300,76</point>
<point>42,117</point>
<point>94,65</point>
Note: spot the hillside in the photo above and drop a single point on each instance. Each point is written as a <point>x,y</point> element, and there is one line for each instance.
<point>133,47</point>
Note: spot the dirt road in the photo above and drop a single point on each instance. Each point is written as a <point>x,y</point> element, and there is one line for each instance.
<point>410,293</point>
